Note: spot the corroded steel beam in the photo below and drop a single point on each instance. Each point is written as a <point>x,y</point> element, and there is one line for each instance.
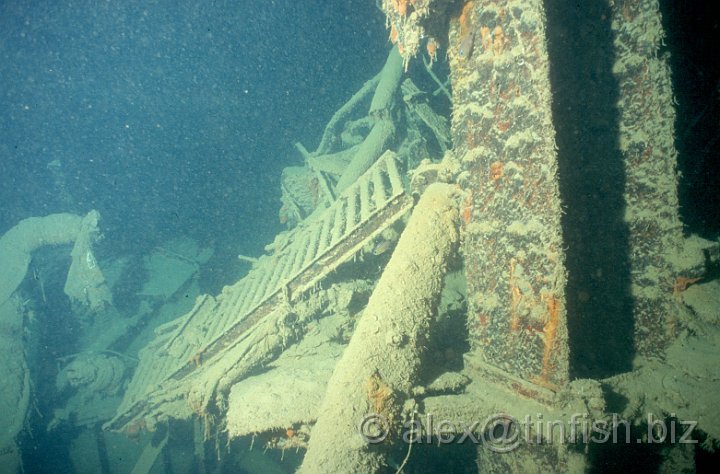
<point>504,137</point>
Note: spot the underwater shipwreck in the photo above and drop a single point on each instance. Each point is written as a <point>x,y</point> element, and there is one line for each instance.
<point>487,290</point>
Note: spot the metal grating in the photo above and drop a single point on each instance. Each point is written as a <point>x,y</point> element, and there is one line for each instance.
<point>312,250</point>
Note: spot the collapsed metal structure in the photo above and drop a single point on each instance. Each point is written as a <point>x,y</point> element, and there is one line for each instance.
<point>188,349</point>
<point>505,160</point>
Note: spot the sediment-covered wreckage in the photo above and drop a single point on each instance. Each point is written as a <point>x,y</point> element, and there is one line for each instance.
<point>300,350</point>
<point>450,270</point>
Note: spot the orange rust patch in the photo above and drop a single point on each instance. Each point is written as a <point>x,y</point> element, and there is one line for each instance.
<point>464,18</point>
<point>682,283</point>
<point>401,7</point>
<point>467,209</point>
<point>550,329</point>
<point>393,34</point>
<point>379,394</point>
<point>498,41</point>
<point>432,48</point>
<point>496,170</point>
<point>503,126</point>
<point>486,38</point>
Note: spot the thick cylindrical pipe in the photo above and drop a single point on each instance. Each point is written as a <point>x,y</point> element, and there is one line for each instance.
<point>382,361</point>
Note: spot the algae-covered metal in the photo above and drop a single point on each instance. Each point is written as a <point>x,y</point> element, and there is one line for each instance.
<point>504,137</point>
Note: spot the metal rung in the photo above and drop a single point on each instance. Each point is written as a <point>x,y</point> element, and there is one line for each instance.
<point>325,233</point>
<point>338,223</point>
<point>312,246</point>
<point>378,188</point>
<point>365,206</point>
<point>284,265</point>
<point>351,210</point>
<point>306,253</point>
<point>393,174</point>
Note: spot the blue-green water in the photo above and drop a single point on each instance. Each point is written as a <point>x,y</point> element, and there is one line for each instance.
<point>171,118</point>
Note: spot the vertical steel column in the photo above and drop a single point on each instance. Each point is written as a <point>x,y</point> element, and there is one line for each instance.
<point>647,135</point>
<point>504,137</point>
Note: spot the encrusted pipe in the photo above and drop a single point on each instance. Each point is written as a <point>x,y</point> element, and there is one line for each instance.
<point>381,363</point>
<point>383,129</point>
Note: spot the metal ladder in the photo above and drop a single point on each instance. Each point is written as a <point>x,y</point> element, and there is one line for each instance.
<point>310,252</point>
